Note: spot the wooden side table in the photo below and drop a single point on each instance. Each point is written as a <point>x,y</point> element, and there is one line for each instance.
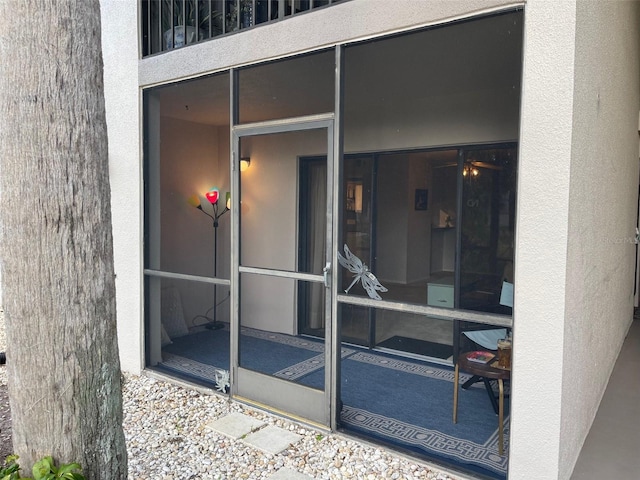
<point>484,370</point>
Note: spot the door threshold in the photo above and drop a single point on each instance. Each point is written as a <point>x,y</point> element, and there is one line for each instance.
<point>415,356</point>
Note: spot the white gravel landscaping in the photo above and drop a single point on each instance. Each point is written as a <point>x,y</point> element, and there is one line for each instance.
<point>168,439</point>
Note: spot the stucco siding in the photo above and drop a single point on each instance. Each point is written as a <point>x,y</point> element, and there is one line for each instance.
<point>541,238</point>
<point>602,211</point>
<point>120,54</point>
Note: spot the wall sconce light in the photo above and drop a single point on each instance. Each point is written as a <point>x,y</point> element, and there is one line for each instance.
<point>245,162</point>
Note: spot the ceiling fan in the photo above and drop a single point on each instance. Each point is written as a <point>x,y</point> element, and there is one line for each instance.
<point>471,164</point>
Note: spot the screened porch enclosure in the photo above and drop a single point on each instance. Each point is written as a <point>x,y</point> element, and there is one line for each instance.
<point>403,149</point>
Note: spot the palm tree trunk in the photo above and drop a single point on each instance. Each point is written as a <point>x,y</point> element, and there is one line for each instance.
<point>56,247</point>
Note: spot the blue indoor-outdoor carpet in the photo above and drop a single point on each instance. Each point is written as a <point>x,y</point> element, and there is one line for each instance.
<point>285,356</point>
<point>209,347</point>
<point>419,398</point>
<point>403,402</point>
<point>409,404</point>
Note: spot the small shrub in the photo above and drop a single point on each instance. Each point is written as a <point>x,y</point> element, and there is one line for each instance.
<point>44,469</point>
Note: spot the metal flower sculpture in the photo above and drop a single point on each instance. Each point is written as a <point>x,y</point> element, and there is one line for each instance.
<point>362,273</point>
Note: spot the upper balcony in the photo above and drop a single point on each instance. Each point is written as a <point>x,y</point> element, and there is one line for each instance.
<point>169,24</point>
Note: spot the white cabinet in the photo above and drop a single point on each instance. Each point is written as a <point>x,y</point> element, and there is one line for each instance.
<point>440,293</point>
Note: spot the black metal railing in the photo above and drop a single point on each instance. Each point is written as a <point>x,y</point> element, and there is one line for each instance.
<point>169,24</point>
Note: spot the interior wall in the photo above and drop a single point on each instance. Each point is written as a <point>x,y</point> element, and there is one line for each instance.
<point>392,220</point>
<point>268,225</point>
<point>602,211</point>
<point>419,235</point>
<point>190,164</point>
<point>474,117</point>
<point>403,233</point>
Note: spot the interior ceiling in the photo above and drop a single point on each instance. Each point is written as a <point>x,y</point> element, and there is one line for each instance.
<point>474,56</point>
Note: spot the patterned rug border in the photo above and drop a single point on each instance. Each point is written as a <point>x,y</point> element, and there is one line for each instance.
<point>466,452</point>
<point>313,364</point>
<point>284,339</point>
<point>401,365</point>
<point>190,367</point>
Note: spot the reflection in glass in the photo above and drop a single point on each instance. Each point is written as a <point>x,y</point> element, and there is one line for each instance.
<point>410,333</point>
<point>356,324</point>
<point>399,218</point>
<point>357,232</point>
<point>356,219</point>
<point>488,226</point>
<point>401,213</point>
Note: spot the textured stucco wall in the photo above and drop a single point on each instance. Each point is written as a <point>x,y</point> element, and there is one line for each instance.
<point>602,211</point>
<point>576,217</point>
<point>541,238</point>
<point>120,53</point>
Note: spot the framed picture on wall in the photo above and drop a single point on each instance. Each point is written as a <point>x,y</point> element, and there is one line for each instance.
<point>422,198</point>
<point>354,197</point>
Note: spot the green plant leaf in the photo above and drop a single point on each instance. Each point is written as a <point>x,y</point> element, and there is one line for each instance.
<point>44,469</point>
<point>68,468</point>
<point>41,468</point>
<point>10,469</point>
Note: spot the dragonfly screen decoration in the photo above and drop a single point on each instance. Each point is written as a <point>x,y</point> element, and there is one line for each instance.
<point>362,273</point>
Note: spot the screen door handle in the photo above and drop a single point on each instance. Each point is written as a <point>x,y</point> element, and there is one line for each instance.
<point>326,271</point>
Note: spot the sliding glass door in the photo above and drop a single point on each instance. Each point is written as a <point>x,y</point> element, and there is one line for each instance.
<point>435,227</point>
<point>312,244</point>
